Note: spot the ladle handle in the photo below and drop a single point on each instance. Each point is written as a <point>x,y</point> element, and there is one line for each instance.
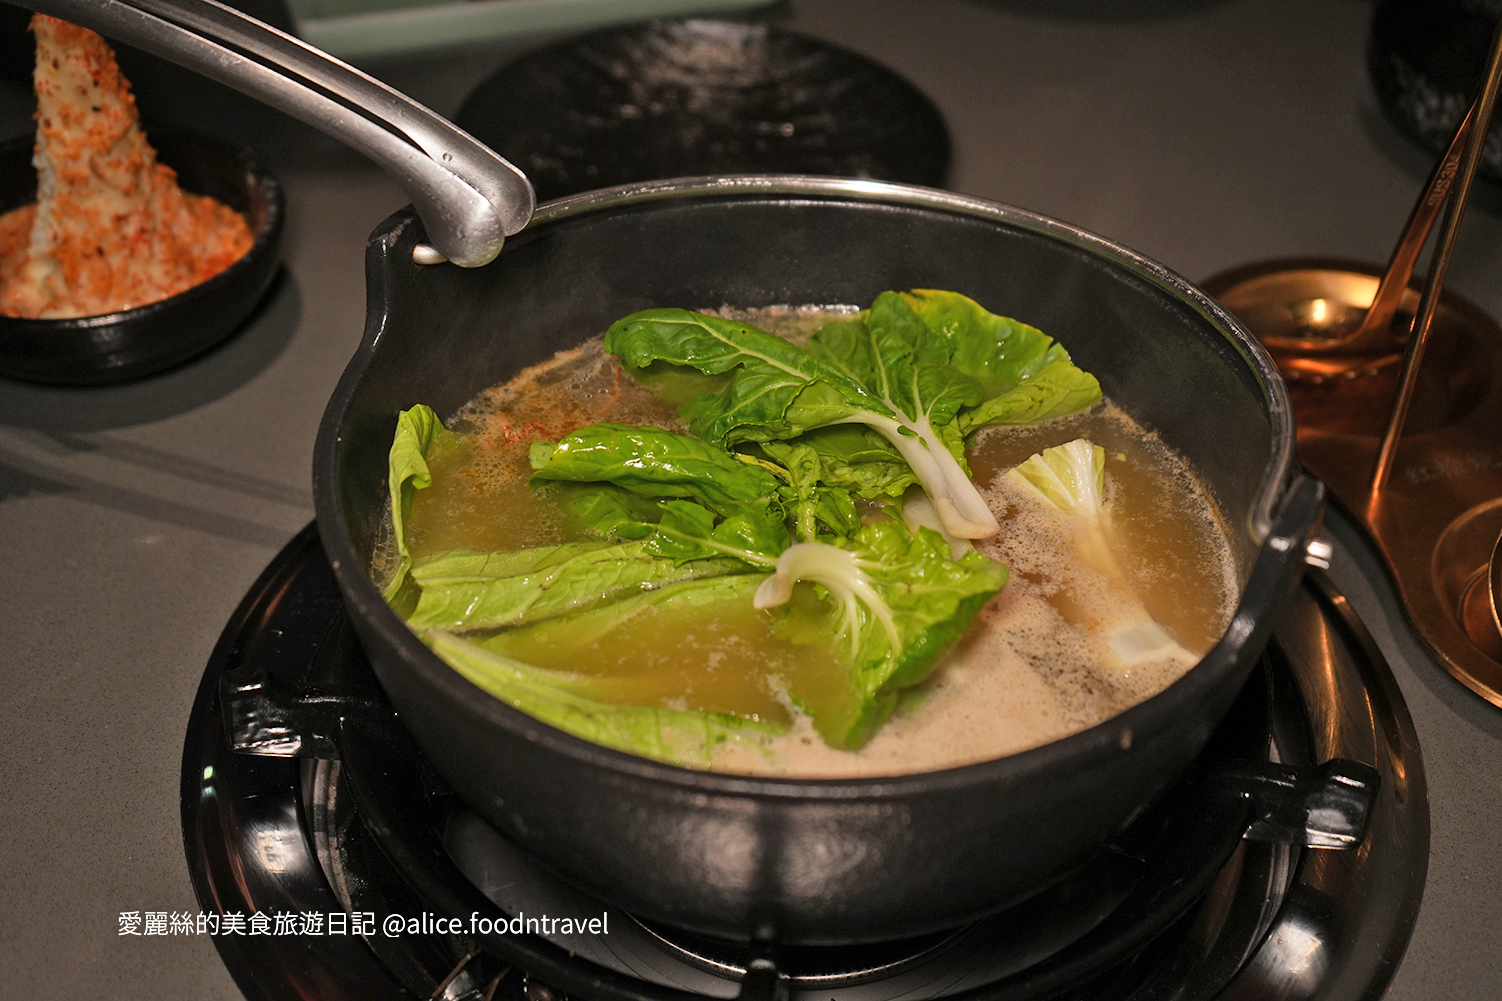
<point>1444,246</point>
<point>469,198</point>
<point>1494,583</point>
<point>1375,333</point>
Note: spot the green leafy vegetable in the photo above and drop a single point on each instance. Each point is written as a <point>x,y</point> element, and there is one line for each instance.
<point>812,503</point>
<point>735,510</point>
<point>900,603</point>
<point>571,635</point>
<point>560,699</point>
<point>1071,478</point>
<point>921,369</point>
<point>918,512</point>
<point>855,458</point>
<point>900,599</point>
<point>465,591</point>
<point>1026,376</point>
<point>688,531</point>
<point>652,462</point>
<point>416,431</point>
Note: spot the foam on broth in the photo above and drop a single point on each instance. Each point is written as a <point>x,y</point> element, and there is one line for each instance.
<point>1027,673</point>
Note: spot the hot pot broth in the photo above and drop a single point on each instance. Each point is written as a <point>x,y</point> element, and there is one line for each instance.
<point>1029,671</point>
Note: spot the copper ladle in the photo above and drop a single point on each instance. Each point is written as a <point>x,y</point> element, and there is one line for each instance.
<point>1337,332</point>
<point>1494,584</point>
<point>1322,339</point>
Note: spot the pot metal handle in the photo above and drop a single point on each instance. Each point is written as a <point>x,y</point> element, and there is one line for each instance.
<point>1290,547</point>
<point>469,198</point>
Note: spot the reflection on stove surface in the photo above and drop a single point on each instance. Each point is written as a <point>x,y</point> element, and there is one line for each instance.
<point>1214,892</point>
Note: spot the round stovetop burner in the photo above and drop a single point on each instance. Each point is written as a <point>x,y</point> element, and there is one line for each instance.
<point>698,97</point>
<point>358,824</point>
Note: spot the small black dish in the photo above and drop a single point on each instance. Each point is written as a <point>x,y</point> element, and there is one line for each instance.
<point>135,343</point>
<point>696,97</point>
<point>1426,60</point>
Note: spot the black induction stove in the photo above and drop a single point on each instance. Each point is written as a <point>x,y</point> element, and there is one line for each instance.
<point>331,861</point>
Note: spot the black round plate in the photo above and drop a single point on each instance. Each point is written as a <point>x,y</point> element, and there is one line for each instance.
<point>1426,59</point>
<point>699,97</point>
<point>135,343</point>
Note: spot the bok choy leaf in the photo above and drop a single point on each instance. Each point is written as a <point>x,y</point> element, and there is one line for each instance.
<point>417,430</point>
<point>708,503</point>
<point>920,369</point>
<point>899,602</point>
<point>677,736</point>
<point>1071,478</point>
<point>463,591</point>
<point>651,462</point>
<point>898,598</point>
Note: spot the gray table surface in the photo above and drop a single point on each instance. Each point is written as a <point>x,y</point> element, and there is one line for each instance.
<point>1205,134</point>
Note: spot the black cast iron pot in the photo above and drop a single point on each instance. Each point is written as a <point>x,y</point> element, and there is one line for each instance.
<point>747,858</point>
<point>803,860</point>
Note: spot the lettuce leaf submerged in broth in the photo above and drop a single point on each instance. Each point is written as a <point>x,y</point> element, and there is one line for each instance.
<point>464,591</point>
<point>418,430</point>
<point>559,699</point>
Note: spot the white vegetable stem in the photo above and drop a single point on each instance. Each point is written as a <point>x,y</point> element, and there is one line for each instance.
<point>963,512</point>
<point>918,512</point>
<point>1067,478</point>
<point>1147,641</point>
<point>837,569</point>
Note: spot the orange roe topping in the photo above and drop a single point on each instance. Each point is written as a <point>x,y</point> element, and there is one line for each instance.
<point>111,229</point>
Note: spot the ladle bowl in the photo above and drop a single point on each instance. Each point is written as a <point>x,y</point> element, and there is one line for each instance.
<point>1291,303</point>
<point>1297,309</point>
<point>1306,304</point>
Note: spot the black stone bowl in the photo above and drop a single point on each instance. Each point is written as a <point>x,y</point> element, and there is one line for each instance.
<point>135,343</point>
<point>703,97</point>
<point>1426,60</point>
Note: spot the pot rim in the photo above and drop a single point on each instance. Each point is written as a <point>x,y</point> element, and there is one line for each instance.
<point>402,231</point>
